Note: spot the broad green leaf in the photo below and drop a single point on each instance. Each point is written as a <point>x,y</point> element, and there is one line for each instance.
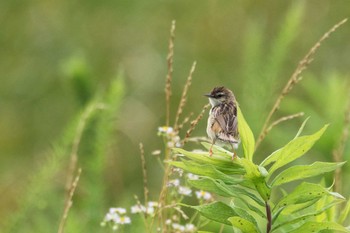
<point>305,217</point>
<point>246,135</point>
<point>318,226</point>
<point>203,157</point>
<point>304,193</point>
<point>207,170</point>
<point>220,188</point>
<point>218,150</point>
<point>294,149</point>
<point>292,209</point>
<point>271,158</point>
<point>210,185</point>
<point>242,224</point>
<point>216,211</point>
<point>304,171</point>
<point>344,213</point>
<point>244,214</point>
<point>251,195</point>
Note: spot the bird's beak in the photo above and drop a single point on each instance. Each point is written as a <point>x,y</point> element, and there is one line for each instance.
<point>208,95</point>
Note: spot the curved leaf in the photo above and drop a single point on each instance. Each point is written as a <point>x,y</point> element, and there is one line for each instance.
<point>302,218</point>
<point>216,211</point>
<point>294,149</point>
<point>304,193</point>
<point>318,226</point>
<point>242,224</point>
<point>207,170</point>
<point>304,171</point>
<point>246,135</point>
<point>204,157</point>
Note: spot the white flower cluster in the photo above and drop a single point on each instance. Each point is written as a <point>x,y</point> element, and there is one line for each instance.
<point>186,191</point>
<point>116,216</point>
<point>178,228</point>
<point>149,209</point>
<point>182,190</point>
<point>173,139</point>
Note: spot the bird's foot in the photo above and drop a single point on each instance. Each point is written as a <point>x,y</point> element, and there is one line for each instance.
<point>210,152</point>
<point>234,156</point>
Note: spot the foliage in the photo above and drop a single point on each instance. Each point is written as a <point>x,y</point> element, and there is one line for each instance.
<point>251,187</point>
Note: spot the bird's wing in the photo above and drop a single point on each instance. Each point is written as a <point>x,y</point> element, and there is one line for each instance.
<point>226,117</point>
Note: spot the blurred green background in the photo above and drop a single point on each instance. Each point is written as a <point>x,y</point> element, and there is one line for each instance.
<point>55,55</point>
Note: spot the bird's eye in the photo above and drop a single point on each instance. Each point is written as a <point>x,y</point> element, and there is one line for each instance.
<point>219,95</point>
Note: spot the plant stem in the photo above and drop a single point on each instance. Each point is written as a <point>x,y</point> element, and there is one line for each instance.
<point>268,216</point>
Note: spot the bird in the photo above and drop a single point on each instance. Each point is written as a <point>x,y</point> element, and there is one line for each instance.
<point>222,127</point>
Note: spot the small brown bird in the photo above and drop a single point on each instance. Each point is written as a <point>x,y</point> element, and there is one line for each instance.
<point>222,126</point>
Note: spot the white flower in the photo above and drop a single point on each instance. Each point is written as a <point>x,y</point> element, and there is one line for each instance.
<point>150,210</point>
<point>123,220</point>
<point>168,222</point>
<point>117,210</point>
<point>189,227</point>
<point>179,227</point>
<point>137,209</point>
<point>170,144</point>
<point>192,176</point>
<point>178,170</point>
<point>175,183</point>
<point>152,204</point>
<point>203,195</point>
<point>165,129</point>
<point>115,227</point>
<point>142,209</point>
<point>184,191</point>
<point>111,217</point>
<point>156,152</point>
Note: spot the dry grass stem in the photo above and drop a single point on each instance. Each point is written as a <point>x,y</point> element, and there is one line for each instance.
<point>184,95</point>
<point>338,153</point>
<point>294,79</point>
<point>178,209</point>
<point>76,143</point>
<point>187,119</point>
<point>285,118</point>
<point>144,174</point>
<point>69,202</point>
<point>170,59</point>
<point>194,123</point>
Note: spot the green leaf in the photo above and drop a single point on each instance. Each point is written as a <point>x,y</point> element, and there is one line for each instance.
<point>203,157</point>
<point>293,150</point>
<point>218,150</point>
<point>305,217</point>
<point>216,211</point>
<point>207,170</point>
<point>220,188</point>
<point>208,184</point>
<point>244,214</point>
<point>345,212</point>
<point>318,226</point>
<point>304,171</point>
<point>246,135</point>
<point>242,224</point>
<point>301,127</point>
<point>304,193</point>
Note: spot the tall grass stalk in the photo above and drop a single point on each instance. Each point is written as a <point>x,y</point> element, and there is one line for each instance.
<point>294,79</point>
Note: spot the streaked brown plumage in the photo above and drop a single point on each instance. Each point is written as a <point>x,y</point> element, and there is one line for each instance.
<point>222,126</point>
